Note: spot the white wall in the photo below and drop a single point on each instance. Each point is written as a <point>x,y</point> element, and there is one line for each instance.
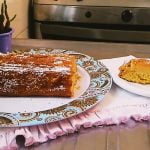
<point>20,24</point>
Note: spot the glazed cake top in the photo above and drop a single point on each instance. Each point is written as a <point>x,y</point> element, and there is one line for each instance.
<point>37,62</point>
<point>141,65</point>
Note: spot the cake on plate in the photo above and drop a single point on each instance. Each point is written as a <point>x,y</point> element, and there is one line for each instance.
<point>37,75</point>
<point>136,70</point>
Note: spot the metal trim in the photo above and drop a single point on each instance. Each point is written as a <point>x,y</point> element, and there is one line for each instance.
<point>107,15</point>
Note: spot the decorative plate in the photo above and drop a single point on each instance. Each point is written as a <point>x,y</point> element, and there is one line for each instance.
<point>95,81</point>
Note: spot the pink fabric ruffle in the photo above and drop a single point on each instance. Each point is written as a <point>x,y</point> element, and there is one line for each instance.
<point>93,117</point>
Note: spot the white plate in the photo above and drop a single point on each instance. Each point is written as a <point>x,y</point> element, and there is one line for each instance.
<point>113,65</point>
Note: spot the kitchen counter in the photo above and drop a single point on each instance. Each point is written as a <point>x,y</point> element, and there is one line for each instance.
<point>133,137</point>
<point>99,50</point>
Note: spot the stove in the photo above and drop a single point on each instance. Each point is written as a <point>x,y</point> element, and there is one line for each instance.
<point>93,20</point>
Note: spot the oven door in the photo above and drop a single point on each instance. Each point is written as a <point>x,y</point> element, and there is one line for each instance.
<point>94,23</point>
<point>96,33</point>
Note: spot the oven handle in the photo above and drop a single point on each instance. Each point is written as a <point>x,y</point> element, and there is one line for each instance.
<point>95,34</point>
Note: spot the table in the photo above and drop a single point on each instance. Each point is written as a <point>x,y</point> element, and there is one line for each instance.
<point>136,136</point>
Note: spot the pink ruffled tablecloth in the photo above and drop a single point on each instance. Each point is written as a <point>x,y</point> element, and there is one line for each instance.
<point>118,106</point>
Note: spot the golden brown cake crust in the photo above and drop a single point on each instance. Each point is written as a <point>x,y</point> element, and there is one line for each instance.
<point>136,70</point>
<point>37,75</point>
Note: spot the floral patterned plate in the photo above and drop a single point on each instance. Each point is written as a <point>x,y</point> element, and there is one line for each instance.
<point>95,81</point>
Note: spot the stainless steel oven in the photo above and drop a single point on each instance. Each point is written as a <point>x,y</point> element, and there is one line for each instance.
<point>94,20</point>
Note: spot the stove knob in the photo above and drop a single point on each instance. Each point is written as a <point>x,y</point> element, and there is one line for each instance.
<point>127,15</point>
<point>88,14</point>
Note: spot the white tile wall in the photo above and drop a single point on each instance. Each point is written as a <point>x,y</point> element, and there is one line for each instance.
<point>20,24</point>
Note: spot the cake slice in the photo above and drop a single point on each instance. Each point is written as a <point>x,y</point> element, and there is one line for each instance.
<point>37,75</point>
<point>136,70</point>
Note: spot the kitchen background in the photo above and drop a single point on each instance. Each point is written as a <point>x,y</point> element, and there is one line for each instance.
<point>95,20</point>
<point>20,24</point>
